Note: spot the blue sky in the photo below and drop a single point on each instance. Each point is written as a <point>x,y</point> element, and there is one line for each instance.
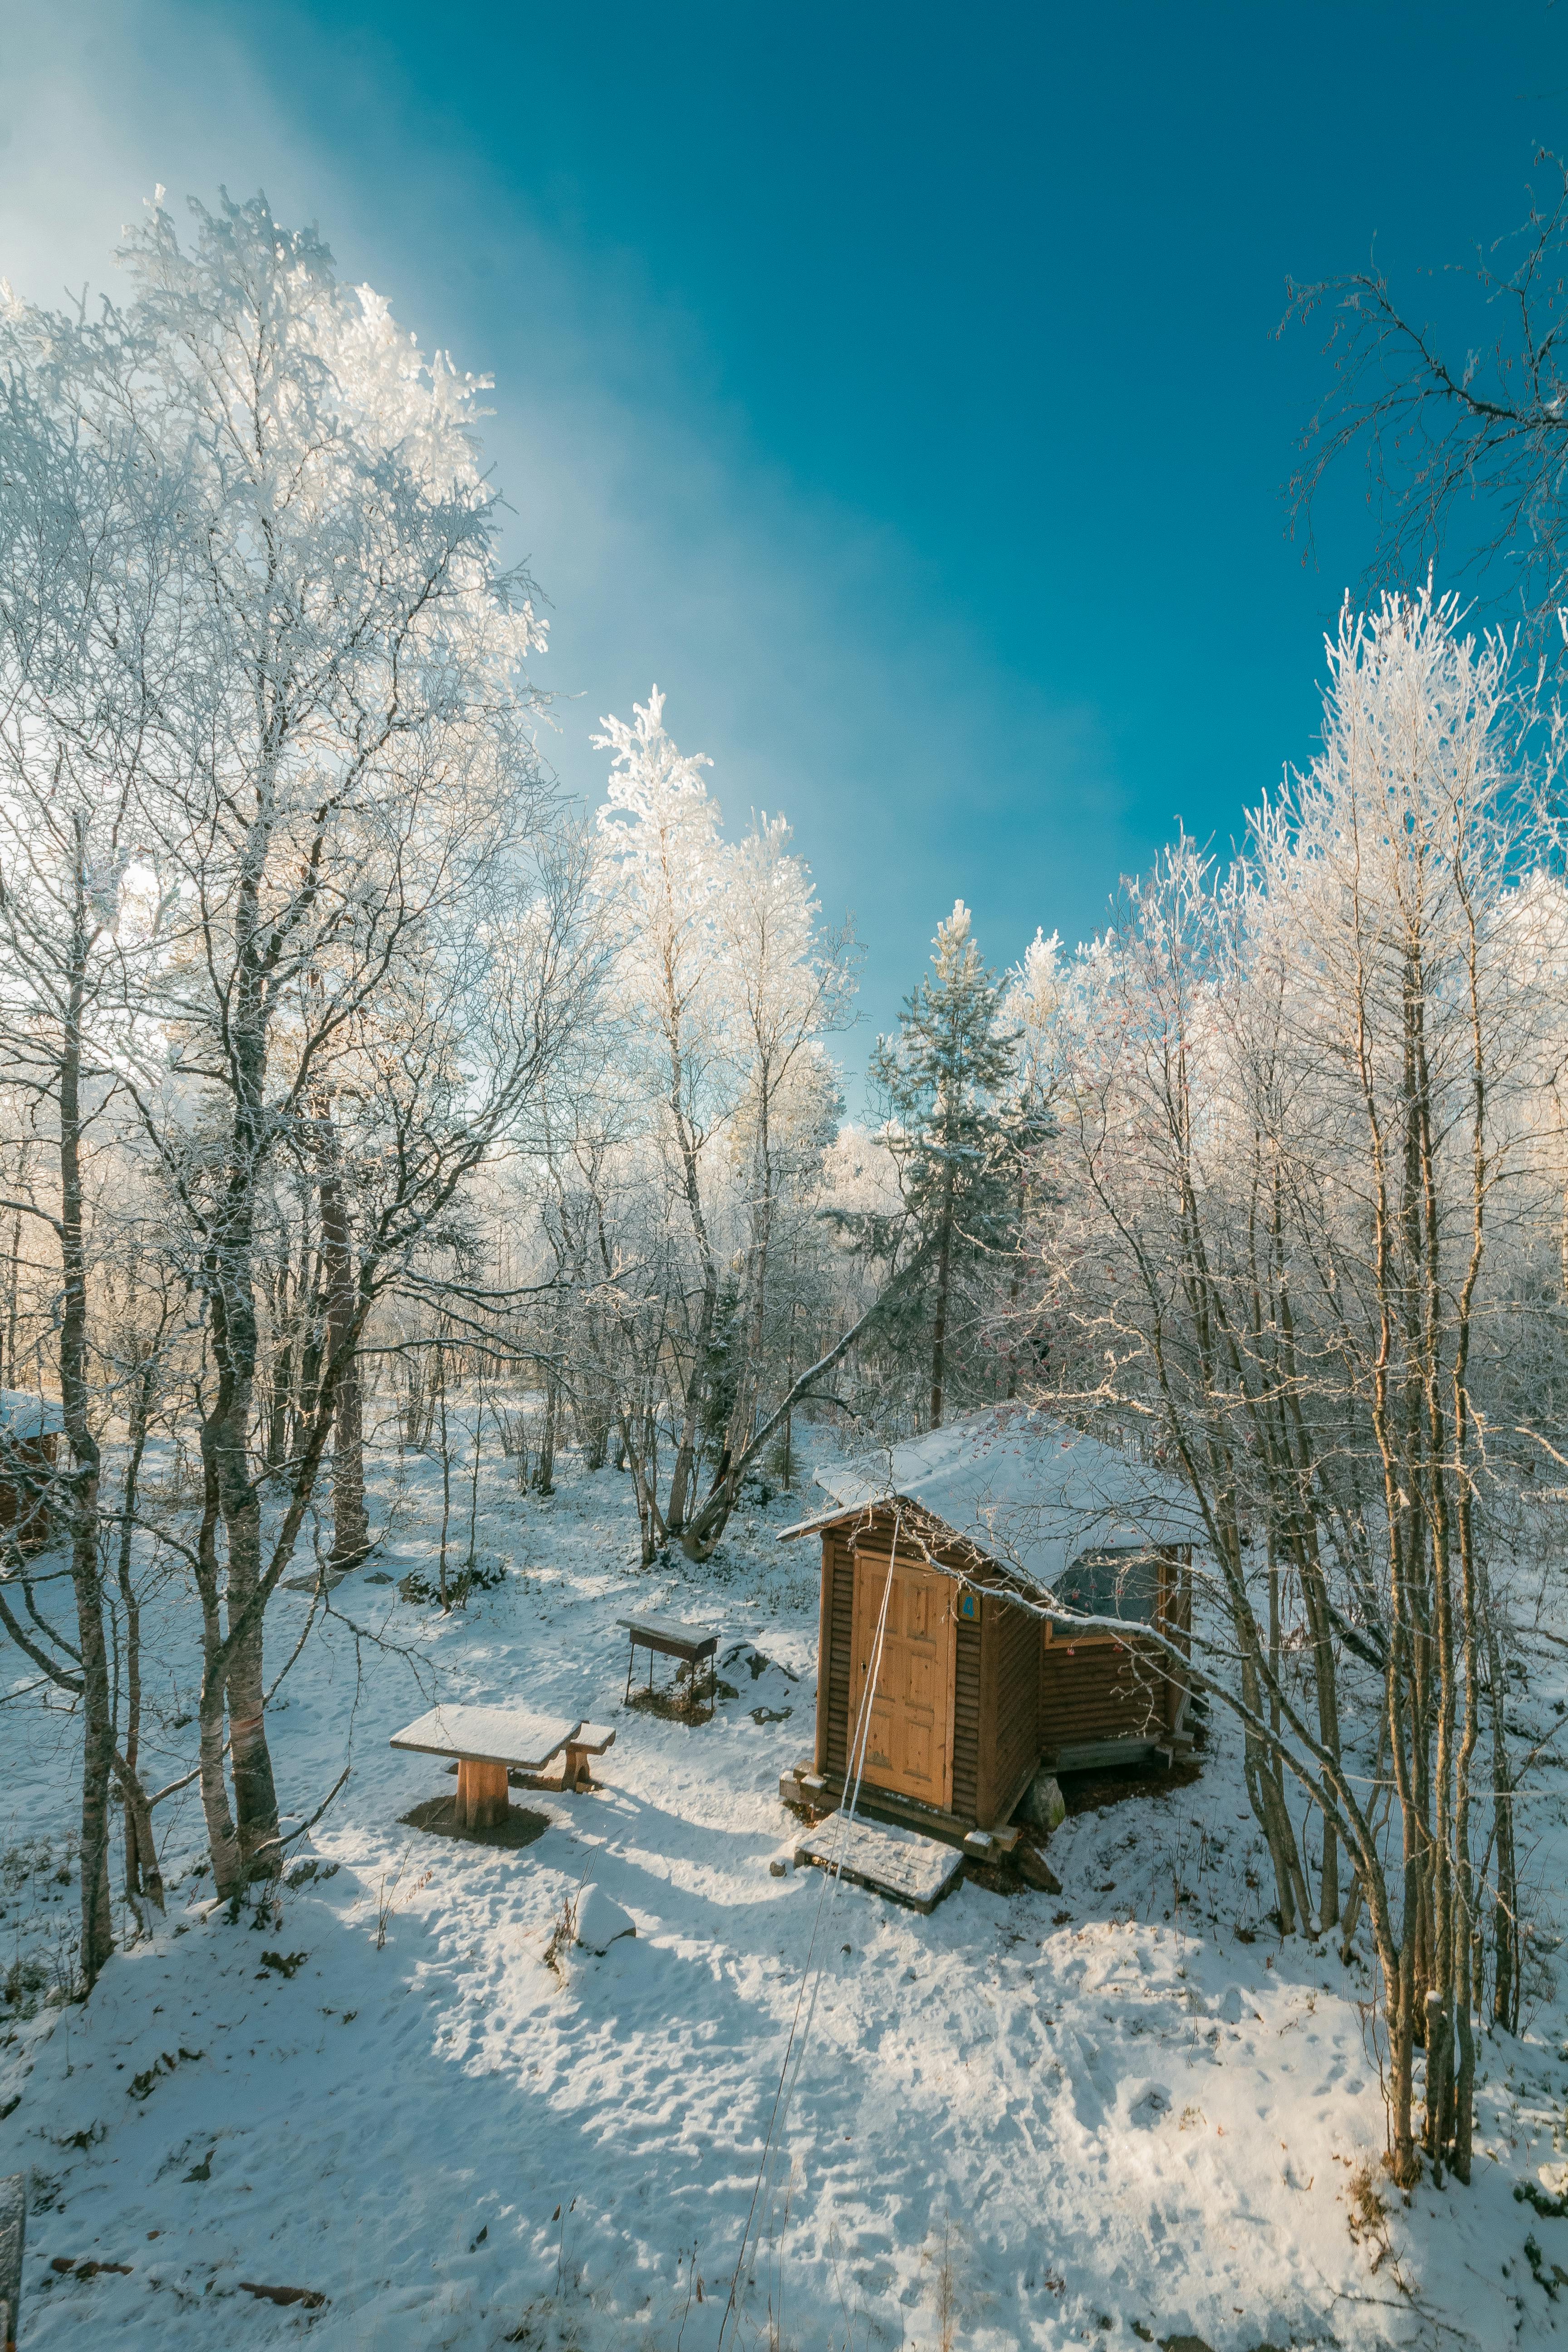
<point>898,387</point>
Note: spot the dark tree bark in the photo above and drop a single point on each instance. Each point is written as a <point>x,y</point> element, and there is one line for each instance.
<point>350,1529</point>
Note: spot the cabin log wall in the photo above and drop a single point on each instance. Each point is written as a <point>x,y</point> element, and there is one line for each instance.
<point>1014,1743</point>
<point>966,1721</point>
<point>1103,1690</point>
<point>1096,1688</point>
<point>833,1669</point>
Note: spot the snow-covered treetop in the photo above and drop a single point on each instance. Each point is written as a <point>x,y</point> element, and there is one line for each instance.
<point>720,949</point>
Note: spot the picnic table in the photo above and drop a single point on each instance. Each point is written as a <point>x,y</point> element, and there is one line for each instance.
<point>660,1638</point>
<point>489,1741</point>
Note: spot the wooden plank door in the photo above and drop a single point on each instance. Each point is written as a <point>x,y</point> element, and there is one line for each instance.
<point>908,1747</point>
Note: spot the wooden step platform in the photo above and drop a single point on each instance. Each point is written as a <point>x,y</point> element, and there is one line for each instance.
<point>802,1786</point>
<point>893,1862</point>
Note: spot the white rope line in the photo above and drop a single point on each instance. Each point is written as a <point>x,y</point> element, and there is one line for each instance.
<point>832,1877</point>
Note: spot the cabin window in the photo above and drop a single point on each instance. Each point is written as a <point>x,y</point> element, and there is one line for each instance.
<point>1121,1582</point>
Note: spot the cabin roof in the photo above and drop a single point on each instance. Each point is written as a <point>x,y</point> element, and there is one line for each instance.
<point>24,1414</point>
<point>1029,1493</point>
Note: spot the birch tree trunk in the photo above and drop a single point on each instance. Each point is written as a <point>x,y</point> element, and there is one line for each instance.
<point>143,1876</point>
<point>225,1436</point>
<point>75,1398</point>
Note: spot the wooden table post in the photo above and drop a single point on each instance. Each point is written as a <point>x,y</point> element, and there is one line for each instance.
<point>483,1800</point>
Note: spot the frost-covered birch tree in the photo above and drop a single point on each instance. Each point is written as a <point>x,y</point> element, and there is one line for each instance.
<point>87,636</point>
<point>366,947</point>
<point>1305,1161</point>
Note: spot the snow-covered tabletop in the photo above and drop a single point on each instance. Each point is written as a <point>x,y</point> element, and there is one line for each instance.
<point>692,1642</point>
<point>490,1735</point>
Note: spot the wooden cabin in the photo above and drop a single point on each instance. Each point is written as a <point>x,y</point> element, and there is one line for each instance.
<point>997,1535</point>
<point>30,1429</point>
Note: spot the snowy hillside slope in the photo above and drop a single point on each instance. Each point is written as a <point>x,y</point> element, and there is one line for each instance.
<point>1104,2117</point>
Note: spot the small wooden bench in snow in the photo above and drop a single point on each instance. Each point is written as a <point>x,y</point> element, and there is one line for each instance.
<point>488,1741</point>
<point>588,1740</point>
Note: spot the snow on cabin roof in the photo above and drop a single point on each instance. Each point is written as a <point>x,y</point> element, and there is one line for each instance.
<point>24,1414</point>
<point>1029,1493</point>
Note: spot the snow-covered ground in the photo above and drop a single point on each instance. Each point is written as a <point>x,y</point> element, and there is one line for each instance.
<point>1104,2118</point>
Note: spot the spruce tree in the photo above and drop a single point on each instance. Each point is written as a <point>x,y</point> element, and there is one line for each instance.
<point>941,1081</point>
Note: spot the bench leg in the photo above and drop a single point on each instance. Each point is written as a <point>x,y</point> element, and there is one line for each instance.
<point>483,1800</point>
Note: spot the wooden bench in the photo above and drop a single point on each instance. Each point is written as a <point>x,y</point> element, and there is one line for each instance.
<point>690,1643</point>
<point>589,1739</point>
<point>490,1741</point>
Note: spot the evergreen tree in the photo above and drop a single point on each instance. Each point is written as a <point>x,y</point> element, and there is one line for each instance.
<point>941,1081</point>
